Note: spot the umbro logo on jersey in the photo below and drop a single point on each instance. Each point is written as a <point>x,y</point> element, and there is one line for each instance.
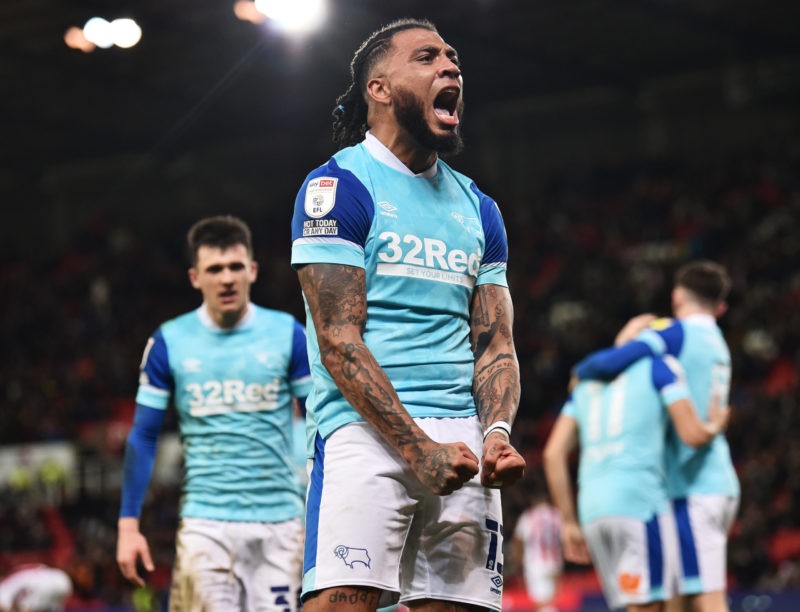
<point>192,366</point>
<point>387,209</point>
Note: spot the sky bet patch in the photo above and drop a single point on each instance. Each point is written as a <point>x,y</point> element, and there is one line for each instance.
<point>320,196</point>
<point>662,323</point>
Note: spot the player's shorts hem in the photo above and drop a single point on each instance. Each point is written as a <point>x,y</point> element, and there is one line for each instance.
<point>356,583</point>
<point>454,599</point>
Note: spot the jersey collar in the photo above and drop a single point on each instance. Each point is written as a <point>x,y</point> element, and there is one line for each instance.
<point>381,152</point>
<point>700,318</point>
<point>208,322</point>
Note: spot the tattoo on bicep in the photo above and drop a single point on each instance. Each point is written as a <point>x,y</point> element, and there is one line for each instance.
<point>489,318</point>
<point>336,295</point>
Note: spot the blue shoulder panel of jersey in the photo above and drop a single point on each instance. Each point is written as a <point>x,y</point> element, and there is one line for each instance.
<point>332,208</point>
<point>156,365</point>
<point>140,455</point>
<point>298,366</point>
<point>667,340</point>
<point>493,229</point>
<point>606,364</point>
<point>155,382</point>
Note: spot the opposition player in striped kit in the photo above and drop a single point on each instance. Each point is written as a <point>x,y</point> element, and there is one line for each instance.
<point>624,514</point>
<point>702,482</point>
<point>231,369</point>
<point>402,263</point>
<point>537,545</point>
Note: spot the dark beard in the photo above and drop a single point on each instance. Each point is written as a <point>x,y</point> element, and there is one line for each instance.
<point>410,112</point>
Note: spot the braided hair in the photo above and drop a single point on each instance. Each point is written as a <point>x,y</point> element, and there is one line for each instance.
<point>350,113</point>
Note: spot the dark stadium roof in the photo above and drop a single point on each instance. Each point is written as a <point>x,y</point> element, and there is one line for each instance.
<point>200,78</point>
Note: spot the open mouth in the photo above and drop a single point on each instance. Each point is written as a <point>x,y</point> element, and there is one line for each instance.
<point>446,105</point>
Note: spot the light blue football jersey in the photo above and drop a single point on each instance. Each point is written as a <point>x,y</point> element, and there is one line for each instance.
<point>425,241</point>
<point>233,392</point>
<point>700,347</point>
<point>622,428</point>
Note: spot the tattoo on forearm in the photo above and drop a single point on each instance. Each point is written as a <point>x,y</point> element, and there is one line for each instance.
<point>336,297</point>
<point>497,392</point>
<point>496,382</point>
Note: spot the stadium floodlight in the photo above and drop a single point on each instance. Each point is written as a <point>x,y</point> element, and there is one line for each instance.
<point>125,32</point>
<point>294,15</point>
<point>246,11</point>
<point>75,39</point>
<point>98,31</point>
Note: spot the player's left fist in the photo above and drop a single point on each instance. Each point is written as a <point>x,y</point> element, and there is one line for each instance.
<point>501,464</point>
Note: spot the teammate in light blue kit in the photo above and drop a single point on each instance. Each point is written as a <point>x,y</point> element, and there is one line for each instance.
<point>402,264</point>
<point>231,369</point>
<point>702,482</point>
<point>624,511</point>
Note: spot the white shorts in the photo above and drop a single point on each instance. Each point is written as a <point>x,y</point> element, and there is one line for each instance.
<point>370,522</point>
<point>703,523</point>
<point>541,583</point>
<point>636,560</point>
<point>37,587</point>
<point>224,565</point>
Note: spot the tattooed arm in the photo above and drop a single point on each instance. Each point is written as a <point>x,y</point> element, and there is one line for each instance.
<point>336,296</point>
<point>496,383</point>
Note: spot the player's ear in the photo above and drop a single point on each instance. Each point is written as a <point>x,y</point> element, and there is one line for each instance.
<point>721,309</point>
<point>193,278</point>
<point>378,90</point>
<point>253,271</point>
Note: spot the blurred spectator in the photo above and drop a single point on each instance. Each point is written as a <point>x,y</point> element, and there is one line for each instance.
<point>34,588</point>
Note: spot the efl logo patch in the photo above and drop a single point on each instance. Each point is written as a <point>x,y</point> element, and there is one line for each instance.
<point>320,196</point>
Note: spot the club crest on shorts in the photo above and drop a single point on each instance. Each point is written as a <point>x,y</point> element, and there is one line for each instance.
<point>351,556</point>
<point>320,196</point>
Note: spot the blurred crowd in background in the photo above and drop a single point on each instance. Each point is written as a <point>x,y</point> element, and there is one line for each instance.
<point>589,248</point>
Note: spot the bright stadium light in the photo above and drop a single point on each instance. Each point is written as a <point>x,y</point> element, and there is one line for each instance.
<point>246,11</point>
<point>75,39</point>
<point>294,15</point>
<point>125,32</point>
<point>98,31</point>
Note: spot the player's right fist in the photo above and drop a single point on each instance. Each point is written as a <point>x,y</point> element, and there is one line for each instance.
<point>444,468</point>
